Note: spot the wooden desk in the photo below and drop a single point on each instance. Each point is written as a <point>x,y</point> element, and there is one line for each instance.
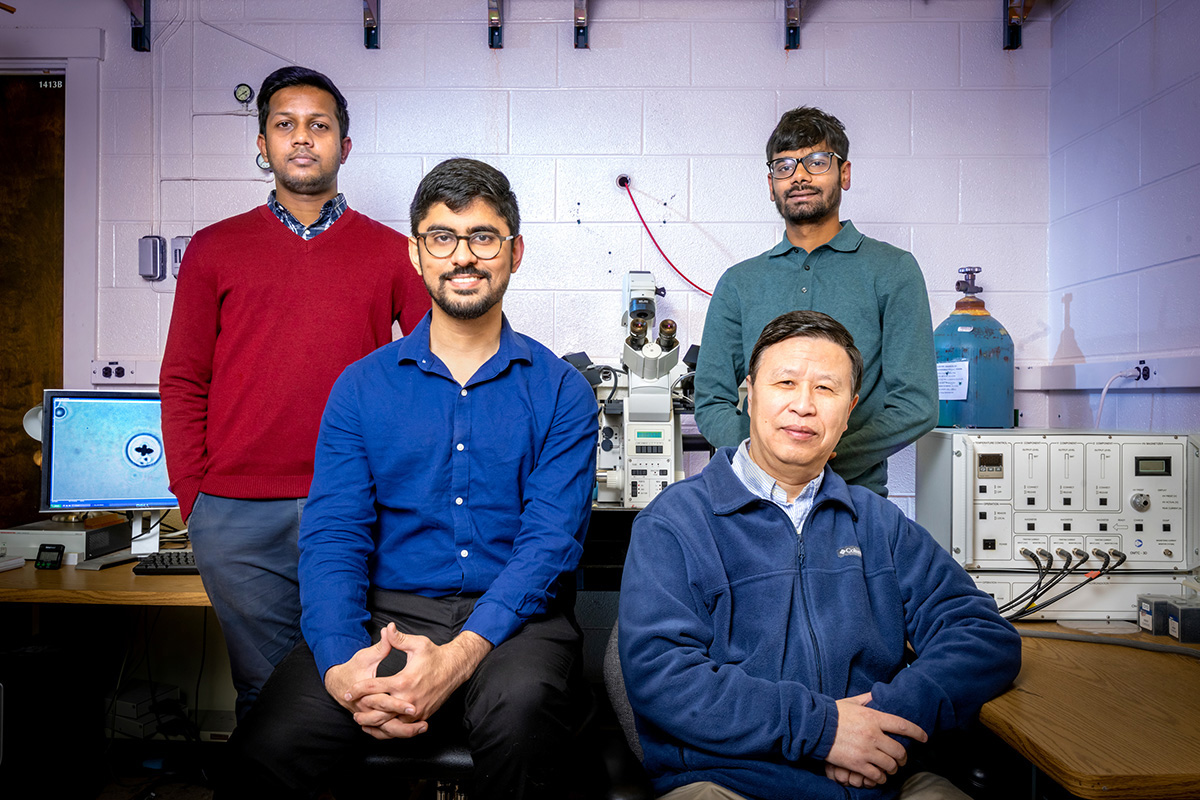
<point>112,586</point>
<point>1105,721</point>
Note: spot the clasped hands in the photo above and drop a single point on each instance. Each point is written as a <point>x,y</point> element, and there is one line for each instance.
<point>399,706</point>
<point>864,753</point>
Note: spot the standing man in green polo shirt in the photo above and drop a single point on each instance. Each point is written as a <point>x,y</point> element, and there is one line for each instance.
<point>824,264</point>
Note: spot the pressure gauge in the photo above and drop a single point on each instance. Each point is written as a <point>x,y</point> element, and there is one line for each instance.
<point>243,93</point>
<point>262,162</point>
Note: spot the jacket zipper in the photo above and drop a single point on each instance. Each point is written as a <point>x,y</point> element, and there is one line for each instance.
<point>812,634</point>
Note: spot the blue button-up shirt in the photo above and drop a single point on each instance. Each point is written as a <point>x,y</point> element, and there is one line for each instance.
<point>330,212</point>
<point>423,485</point>
<point>762,485</point>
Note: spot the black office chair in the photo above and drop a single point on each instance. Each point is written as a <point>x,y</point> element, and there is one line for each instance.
<point>614,682</point>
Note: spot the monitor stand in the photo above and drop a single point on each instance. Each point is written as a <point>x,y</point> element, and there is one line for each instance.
<point>145,542</point>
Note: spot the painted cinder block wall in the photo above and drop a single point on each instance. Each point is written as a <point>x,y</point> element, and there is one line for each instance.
<point>1124,229</point>
<point>962,152</point>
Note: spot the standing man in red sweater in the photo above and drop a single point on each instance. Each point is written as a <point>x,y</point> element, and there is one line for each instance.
<point>271,306</point>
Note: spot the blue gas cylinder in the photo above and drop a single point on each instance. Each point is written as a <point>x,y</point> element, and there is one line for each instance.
<point>974,364</point>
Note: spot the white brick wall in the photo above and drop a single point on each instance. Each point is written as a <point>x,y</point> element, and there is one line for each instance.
<point>1124,249</point>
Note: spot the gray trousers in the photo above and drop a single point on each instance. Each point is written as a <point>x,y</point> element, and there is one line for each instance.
<point>247,555</point>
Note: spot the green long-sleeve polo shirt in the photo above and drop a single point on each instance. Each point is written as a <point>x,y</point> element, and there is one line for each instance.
<point>876,291</point>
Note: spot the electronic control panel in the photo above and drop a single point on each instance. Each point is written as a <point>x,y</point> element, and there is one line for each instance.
<point>989,495</point>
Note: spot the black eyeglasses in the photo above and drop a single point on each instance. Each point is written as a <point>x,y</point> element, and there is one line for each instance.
<point>484,245</point>
<point>814,164</point>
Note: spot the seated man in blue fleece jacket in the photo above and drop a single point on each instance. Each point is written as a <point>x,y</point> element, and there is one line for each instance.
<point>453,481</point>
<point>766,606</point>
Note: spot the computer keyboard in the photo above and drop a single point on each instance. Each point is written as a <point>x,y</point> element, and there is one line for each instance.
<point>168,562</point>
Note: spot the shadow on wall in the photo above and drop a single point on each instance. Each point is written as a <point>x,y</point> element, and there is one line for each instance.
<point>1068,351</point>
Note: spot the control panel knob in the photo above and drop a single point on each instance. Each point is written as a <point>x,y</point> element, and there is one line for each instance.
<point>1168,553</point>
<point>1140,502</point>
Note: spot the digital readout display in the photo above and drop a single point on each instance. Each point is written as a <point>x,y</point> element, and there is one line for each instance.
<point>1154,467</point>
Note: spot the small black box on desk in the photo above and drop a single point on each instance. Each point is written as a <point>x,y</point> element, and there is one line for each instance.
<point>1183,620</point>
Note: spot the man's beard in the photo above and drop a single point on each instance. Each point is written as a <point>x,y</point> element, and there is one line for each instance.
<point>826,202</point>
<point>467,307</point>
<point>309,181</point>
<point>307,184</point>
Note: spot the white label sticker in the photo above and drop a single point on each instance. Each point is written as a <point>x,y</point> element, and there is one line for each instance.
<point>952,379</point>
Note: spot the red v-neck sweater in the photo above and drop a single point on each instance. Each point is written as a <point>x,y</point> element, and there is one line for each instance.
<point>263,324</point>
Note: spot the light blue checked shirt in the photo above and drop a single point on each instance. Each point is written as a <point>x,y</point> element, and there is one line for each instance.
<point>763,485</point>
<point>329,214</point>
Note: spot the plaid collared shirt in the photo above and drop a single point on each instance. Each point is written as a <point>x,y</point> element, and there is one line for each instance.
<point>763,485</point>
<point>329,214</point>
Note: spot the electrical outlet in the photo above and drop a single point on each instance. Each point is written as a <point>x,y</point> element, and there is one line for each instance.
<point>126,372</point>
<point>114,372</point>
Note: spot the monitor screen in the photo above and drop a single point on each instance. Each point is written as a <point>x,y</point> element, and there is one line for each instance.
<point>103,450</point>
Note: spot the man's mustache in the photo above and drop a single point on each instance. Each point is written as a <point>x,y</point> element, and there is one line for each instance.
<point>460,272</point>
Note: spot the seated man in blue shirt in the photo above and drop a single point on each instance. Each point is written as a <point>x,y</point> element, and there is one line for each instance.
<point>766,607</point>
<point>451,495</point>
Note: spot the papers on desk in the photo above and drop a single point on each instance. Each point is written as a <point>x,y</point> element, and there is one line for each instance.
<point>11,563</point>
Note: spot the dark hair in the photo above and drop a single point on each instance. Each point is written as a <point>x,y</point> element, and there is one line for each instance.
<point>458,182</point>
<point>299,76</point>
<point>808,127</point>
<point>810,325</point>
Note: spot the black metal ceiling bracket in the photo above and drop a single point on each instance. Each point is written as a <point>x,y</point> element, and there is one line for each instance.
<point>581,25</point>
<point>792,16</point>
<point>371,24</point>
<point>139,25</point>
<point>1015,14</point>
<point>495,25</point>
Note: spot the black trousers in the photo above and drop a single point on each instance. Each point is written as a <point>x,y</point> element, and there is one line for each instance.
<point>518,712</point>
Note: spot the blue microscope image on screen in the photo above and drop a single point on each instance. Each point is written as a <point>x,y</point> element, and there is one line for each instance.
<point>108,454</point>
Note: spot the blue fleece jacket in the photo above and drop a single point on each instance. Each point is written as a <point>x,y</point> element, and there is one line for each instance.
<point>738,637</point>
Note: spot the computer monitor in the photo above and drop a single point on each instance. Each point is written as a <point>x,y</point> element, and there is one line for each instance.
<point>102,450</point>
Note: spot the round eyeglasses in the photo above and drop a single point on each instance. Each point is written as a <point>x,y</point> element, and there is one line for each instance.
<point>484,245</point>
<point>814,164</point>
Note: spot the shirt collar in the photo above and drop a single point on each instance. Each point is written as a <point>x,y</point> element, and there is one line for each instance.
<point>847,240</point>
<point>330,212</point>
<point>414,349</point>
<point>729,494</point>
<point>761,484</point>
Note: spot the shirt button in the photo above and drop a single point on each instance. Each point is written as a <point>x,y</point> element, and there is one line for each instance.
<point>804,290</point>
<point>459,448</point>
<point>462,553</point>
<point>464,393</point>
<point>808,266</point>
<point>458,501</point>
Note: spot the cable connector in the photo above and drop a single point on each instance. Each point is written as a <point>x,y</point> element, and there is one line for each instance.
<point>1045,554</point>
